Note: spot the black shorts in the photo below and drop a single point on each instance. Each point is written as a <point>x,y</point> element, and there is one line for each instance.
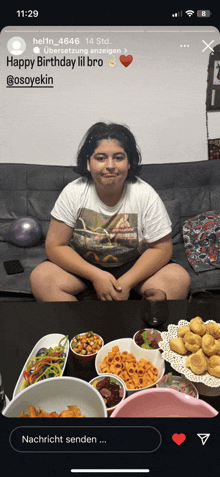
<point>117,271</point>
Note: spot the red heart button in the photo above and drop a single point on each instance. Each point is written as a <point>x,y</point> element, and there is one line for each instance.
<point>126,60</point>
<point>179,438</point>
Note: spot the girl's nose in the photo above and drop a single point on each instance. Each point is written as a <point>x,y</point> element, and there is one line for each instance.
<point>110,163</point>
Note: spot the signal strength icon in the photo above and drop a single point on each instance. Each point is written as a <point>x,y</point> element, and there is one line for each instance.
<point>189,12</point>
<point>178,14</point>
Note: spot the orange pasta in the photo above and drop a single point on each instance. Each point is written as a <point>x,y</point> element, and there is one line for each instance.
<point>135,374</point>
<point>115,349</point>
<point>109,360</point>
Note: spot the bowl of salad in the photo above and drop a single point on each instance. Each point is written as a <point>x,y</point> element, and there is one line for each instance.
<point>147,338</point>
<point>112,389</point>
<point>85,346</point>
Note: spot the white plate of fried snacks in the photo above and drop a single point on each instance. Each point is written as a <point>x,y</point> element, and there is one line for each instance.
<point>177,348</point>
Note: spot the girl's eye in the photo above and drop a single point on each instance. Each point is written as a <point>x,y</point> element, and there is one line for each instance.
<point>119,158</point>
<point>100,158</point>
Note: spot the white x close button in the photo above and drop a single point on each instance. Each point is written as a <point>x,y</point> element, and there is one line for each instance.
<point>207,45</point>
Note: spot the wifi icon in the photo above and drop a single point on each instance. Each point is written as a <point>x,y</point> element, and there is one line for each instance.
<point>189,12</point>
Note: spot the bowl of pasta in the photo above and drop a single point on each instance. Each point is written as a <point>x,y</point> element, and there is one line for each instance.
<point>138,368</point>
<point>61,396</point>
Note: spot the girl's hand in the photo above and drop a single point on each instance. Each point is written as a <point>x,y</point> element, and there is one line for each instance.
<point>125,289</point>
<point>106,286</point>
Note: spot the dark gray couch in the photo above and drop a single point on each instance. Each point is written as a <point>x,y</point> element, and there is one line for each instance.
<point>186,189</point>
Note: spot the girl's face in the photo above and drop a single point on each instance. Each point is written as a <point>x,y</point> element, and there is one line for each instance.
<point>109,165</point>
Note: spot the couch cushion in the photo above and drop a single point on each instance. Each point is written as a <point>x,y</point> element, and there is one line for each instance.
<point>195,184</point>
<point>40,203</point>
<point>13,177</point>
<point>201,280</point>
<point>29,257</point>
<point>174,210</point>
<point>30,189</point>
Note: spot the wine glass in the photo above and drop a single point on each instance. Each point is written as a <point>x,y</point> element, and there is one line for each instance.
<point>2,395</point>
<point>202,303</point>
<point>154,307</point>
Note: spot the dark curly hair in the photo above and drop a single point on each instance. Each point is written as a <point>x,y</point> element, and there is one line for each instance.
<point>97,133</point>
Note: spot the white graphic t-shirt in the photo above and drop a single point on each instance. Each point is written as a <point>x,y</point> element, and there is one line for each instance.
<point>111,236</point>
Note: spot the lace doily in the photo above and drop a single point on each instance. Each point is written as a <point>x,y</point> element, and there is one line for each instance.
<point>178,362</point>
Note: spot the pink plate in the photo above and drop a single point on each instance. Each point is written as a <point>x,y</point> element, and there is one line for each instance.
<point>163,403</point>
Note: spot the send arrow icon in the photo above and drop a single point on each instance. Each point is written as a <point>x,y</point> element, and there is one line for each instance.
<point>203,437</point>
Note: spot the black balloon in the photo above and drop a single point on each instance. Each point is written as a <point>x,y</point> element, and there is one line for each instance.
<point>24,232</point>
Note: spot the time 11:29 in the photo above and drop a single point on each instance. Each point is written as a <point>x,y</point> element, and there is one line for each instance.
<point>27,13</point>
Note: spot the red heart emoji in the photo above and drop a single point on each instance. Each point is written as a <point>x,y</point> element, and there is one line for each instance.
<point>126,60</point>
<point>178,438</point>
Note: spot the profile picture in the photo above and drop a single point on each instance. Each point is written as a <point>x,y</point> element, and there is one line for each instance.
<point>16,45</point>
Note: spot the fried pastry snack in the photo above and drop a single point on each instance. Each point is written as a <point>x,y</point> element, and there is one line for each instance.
<point>197,362</point>
<point>213,366</point>
<point>209,345</point>
<point>218,347</point>
<point>197,326</point>
<point>213,329</point>
<point>192,342</point>
<point>177,344</point>
<point>182,331</point>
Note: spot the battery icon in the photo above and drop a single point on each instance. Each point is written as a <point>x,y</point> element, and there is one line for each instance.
<point>203,13</point>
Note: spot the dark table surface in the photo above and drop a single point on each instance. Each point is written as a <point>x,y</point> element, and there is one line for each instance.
<point>23,324</point>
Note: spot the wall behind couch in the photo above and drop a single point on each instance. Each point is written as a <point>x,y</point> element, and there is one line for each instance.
<point>160,95</point>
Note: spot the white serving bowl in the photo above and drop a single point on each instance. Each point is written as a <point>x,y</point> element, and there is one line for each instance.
<point>48,341</point>
<point>118,381</point>
<point>127,344</point>
<point>144,329</point>
<point>55,394</point>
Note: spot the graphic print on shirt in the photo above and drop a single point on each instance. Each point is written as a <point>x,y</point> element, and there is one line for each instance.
<point>107,240</point>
